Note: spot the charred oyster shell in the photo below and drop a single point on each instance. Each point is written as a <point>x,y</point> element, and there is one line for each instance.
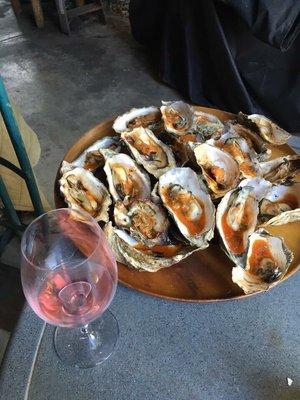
<point>280,169</point>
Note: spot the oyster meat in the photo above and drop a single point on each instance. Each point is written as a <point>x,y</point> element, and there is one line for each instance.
<point>279,200</point>
<point>207,124</point>
<point>126,181</point>
<point>236,219</point>
<point>269,131</point>
<point>92,158</point>
<point>220,171</point>
<point>140,256</point>
<point>189,204</point>
<point>280,169</point>
<point>155,156</point>
<point>83,191</point>
<point>178,117</point>
<point>268,259</point>
<point>146,221</point>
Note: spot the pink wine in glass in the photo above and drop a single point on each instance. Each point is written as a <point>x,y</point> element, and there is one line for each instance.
<point>69,277</point>
<point>71,302</point>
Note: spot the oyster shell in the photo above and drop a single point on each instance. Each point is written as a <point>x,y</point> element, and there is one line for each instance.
<point>83,191</point>
<point>268,259</point>
<point>147,117</point>
<point>280,199</point>
<point>140,256</point>
<point>280,169</point>
<point>252,137</point>
<point>236,219</point>
<point>92,158</point>
<point>207,124</point>
<point>178,117</point>
<point>242,152</point>
<point>189,204</point>
<point>269,131</point>
<point>220,171</point>
<point>155,156</point>
<point>146,221</point>
<point>126,181</point>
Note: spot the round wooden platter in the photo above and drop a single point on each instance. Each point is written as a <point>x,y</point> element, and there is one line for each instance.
<point>204,276</point>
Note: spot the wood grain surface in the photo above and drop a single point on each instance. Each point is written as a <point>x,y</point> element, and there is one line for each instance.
<point>205,275</point>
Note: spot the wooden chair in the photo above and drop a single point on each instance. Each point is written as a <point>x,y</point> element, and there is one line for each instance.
<point>37,11</point>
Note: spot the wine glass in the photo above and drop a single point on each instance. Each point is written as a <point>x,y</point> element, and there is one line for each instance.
<point>69,278</point>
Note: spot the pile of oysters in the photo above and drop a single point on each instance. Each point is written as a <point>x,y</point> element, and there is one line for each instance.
<point>170,175</point>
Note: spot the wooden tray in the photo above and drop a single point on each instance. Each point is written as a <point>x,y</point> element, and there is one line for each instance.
<point>205,275</point>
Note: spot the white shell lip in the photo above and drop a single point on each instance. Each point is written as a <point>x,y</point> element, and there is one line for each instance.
<point>120,123</point>
<point>259,186</point>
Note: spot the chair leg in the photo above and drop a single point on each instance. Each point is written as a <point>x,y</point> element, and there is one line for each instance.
<point>38,13</point>
<point>16,5</point>
<point>63,17</point>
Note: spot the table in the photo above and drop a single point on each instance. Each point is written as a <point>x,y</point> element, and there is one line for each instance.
<point>235,350</point>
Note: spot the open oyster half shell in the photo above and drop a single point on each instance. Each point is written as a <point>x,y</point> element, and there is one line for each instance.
<point>207,125</point>
<point>139,256</point>
<point>127,182</point>
<point>155,156</point>
<point>146,117</point>
<point>220,171</point>
<point>186,199</point>
<point>280,169</point>
<point>269,131</point>
<point>83,191</point>
<point>267,261</point>
<point>178,117</point>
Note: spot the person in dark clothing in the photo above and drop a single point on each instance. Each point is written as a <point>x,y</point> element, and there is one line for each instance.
<point>237,55</point>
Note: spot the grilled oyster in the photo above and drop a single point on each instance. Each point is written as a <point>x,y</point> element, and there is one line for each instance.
<point>126,181</point>
<point>252,137</point>
<point>178,117</point>
<point>147,117</point>
<point>138,255</point>
<point>269,131</point>
<point>220,171</point>
<point>150,152</point>
<point>267,261</point>
<point>83,191</point>
<point>92,158</point>
<point>188,203</point>
<point>207,124</point>
<point>146,221</point>
<point>236,219</point>
<point>279,199</point>
<point>280,169</point>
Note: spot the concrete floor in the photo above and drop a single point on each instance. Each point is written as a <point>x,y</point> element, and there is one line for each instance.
<point>65,85</point>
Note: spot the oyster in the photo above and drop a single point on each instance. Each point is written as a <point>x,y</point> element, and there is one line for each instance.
<point>236,219</point>
<point>92,158</point>
<point>155,156</point>
<point>269,131</point>
<point>126,181</point>
<point>178,117</point>
<point>280,169</point>
<point>83,191</point>
<point>146,221</point>
<point>138,255</point>
<point>252,137</point>
<point>207,124</point>
<point>147,117</point>
<point>189,204</point>
<point>220,171</point>
<point>267,261</point>
<point>280,199</point>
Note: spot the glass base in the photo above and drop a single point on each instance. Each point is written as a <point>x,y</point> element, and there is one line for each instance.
<point>90,345</point>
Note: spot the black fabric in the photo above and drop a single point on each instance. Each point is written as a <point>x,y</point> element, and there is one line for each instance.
<point>237,55</point>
